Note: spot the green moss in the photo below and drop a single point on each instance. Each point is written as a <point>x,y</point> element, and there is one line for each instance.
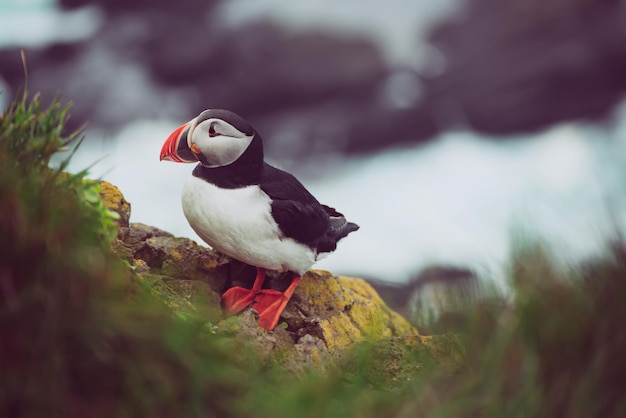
<point>81,336</point>
<point>394,362</point>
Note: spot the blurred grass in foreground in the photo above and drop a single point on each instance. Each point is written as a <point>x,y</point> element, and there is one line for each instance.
<point>81,335</point>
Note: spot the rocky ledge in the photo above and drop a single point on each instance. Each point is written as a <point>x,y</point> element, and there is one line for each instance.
<point>327,316</point>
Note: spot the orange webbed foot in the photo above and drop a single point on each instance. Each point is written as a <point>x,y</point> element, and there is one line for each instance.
<point>237,298</point>
<point>270,304</point>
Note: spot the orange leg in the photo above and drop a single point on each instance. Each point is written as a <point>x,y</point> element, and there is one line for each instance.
<point>237,298</point>
<point>270,304</point>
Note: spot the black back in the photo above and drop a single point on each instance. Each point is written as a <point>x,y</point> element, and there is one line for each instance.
<point>299,215</point>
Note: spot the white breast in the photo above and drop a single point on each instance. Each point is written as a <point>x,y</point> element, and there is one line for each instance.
<point>238,223</point>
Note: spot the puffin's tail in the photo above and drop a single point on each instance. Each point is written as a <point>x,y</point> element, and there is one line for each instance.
<point>338,229</point>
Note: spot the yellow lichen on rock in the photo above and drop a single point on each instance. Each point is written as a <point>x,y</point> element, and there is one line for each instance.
<point>370,312</point>
<point>114,200</point>
<point>348,310</point>
<point>339,331</point>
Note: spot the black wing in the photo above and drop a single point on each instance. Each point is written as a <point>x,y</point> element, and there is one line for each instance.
<point>298,214</point>
<point>339,227</point>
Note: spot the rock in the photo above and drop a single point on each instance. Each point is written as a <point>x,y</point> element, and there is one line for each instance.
<point>114,200</point>
<point>157,252</point>
<point>342,310</point>
<point>327,318</point>
<point>270,346</point>
<point>186,297</point>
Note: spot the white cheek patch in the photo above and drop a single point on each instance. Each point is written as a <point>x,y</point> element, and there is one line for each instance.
<point>219,150</point>
<point>222,150</point>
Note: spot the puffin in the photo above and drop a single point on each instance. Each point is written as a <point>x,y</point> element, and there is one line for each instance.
<point>249,210</point>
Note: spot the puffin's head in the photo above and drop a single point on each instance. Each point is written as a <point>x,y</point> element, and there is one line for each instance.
<point>215,138</point>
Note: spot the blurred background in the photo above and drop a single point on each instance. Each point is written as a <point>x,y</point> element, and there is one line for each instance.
<point>444,129</point>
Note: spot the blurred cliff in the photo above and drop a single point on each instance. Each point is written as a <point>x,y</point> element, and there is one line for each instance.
<point>488,66</point>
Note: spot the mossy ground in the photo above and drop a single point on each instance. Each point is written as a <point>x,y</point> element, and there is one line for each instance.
<point>83,334</point>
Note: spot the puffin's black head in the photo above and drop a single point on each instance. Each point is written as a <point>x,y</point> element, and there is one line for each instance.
<point>215,137</point>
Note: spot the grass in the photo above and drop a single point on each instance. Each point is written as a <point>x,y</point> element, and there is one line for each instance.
<point>81,335</point>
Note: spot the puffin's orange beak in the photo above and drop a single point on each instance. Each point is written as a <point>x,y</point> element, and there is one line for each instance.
<point>176,148</point>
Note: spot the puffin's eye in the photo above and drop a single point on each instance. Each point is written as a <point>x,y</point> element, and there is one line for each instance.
<point>212,131</point>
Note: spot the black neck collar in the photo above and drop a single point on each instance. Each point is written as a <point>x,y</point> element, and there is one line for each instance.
<point>245,171</point>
